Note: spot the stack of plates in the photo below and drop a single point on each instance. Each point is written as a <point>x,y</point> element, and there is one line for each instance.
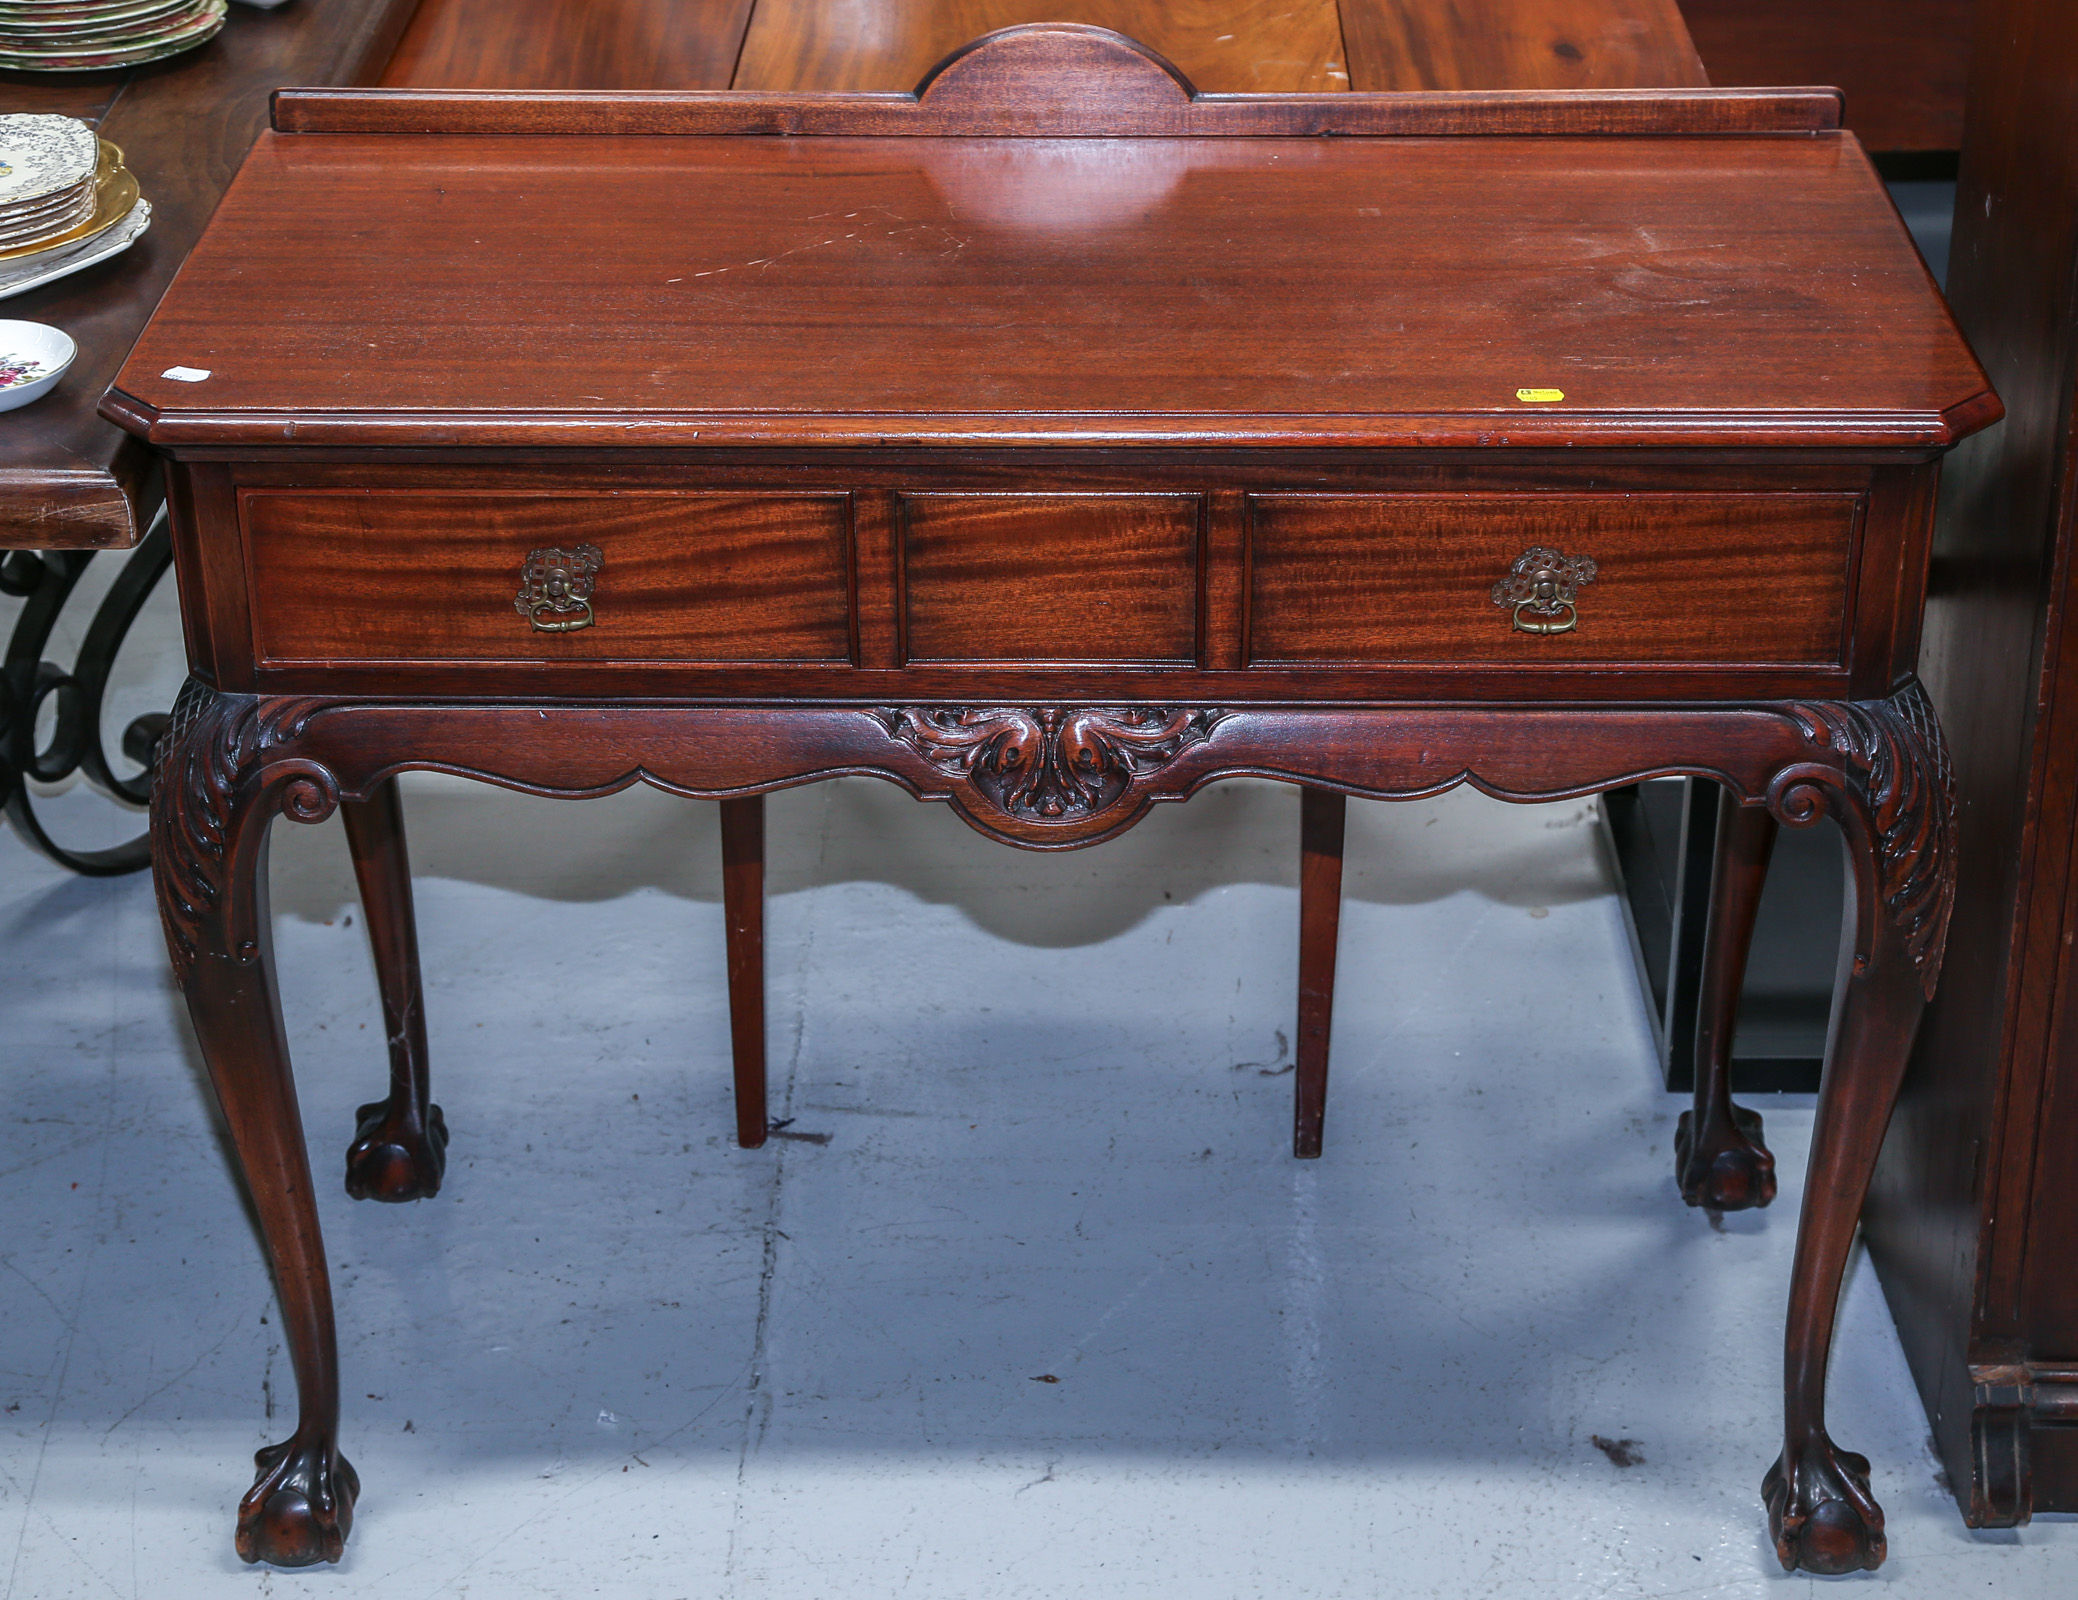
<point>66,200</point>
<point>88,35</point>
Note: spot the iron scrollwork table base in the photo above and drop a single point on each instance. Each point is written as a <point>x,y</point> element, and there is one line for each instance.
<point>231,763</point>
<point>44,581</point>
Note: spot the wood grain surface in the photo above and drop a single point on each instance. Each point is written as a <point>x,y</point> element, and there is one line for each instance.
<point>658,290</point>
<point>570,44</point>
<point>1903,63</point>
<point>429,577</point>
<point>1521,44</point>
<point>946,111</point>
<point>1220,45</point>
<point>1681,578</point>
<point>1028,577</point>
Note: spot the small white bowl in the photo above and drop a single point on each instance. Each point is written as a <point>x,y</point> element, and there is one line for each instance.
<point>51,349</point>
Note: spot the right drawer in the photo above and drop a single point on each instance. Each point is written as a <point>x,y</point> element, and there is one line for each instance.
<point>1725,578</point>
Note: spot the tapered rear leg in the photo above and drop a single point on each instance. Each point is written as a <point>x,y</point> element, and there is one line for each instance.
<point>400,1144</point>
<point>743,915</point>
<point>213,800</point>
<point>1718,1155</point>
<point>1322,814</point>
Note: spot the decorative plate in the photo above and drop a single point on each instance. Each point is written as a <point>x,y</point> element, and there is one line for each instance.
<point>24,273</point>
<point>43,156</point>
<point>34,30</point>
<point>191,33</point>
<point>115,192</point>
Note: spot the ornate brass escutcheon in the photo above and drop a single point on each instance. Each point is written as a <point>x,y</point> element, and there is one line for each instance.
<point>1541,588</point>
<point>555,592</point>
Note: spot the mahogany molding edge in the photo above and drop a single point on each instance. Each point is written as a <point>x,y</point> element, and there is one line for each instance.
<point>1059,80</point>
<point>1878,430</point>
<point>1425,113</point>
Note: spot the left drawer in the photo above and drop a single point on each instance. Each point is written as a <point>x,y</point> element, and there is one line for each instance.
<point>340,576</point>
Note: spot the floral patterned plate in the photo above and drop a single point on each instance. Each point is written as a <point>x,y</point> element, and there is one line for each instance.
<point>43,156</point>
<point>191,32</point>
<point>115,192</point>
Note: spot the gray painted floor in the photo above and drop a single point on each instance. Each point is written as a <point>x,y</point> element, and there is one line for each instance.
<point>1038,1305</point>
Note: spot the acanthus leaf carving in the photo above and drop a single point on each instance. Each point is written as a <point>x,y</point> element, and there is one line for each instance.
<point>212,747</point>
<point>1049,764</point>
<point>1894,761</point>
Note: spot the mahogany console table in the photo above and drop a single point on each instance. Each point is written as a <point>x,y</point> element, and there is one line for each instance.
<point>1051,442</point>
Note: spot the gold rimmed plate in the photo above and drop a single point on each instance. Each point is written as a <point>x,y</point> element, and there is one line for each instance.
<point>115,192</point>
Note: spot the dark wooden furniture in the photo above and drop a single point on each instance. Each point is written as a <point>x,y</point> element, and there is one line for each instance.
<point>1221,45</point>
<point>71,483</point>
<point>755,439</point>
<point>68,479</point>
<point>1973,1221</point>
<point>1520,44</point>
<point>1901,63</point>
<point>1235,46</point>
<point>571,44</point>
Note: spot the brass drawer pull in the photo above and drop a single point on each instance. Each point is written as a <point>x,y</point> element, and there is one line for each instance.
<point>1541,588</point>
<point>555,593</point>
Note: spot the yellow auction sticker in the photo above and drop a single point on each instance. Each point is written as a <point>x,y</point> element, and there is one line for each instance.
<point>1538,397</point>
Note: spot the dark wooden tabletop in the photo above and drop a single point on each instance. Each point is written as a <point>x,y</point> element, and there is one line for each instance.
<point>1264,46</point>
<point>67,478</point>
<point>580,290</point>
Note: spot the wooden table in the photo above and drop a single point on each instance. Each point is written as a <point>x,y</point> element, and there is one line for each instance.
<point>1902,63</point>
<point>67,479</point>
<point>1052,444</point>
<point>1224,46</point>
<point>71,483</point>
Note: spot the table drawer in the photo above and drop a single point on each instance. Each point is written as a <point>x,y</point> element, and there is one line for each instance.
<point>1721,578</point>
<point>374,575</point>
<point>1042,578</point>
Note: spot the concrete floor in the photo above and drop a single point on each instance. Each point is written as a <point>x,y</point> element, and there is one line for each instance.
<point>1036,1303</point>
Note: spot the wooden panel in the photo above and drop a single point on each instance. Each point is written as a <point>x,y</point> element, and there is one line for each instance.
<point>570,44</point>
<point>1973,1218</point>
<point>682,290</point>
<point>1519,44</point>
<point>1737,578</point>
<point>1269,46</point>
<point>1056,577</point>
<point>1903,63</point>
<point>397,576</point>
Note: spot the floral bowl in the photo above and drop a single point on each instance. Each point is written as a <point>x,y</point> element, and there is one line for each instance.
<point>33,357</point>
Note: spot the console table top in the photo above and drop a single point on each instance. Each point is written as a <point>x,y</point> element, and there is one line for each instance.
<point>550,285</point>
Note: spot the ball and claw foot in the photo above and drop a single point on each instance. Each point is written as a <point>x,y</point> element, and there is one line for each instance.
<point>1821,1513</point>
<point>301,1508</point>
<point>393,1158</point>
<point>1729,1169</point>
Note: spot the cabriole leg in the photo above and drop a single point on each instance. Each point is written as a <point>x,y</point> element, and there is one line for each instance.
<point>400,1144</point>
<point>743,916</point>
<point>212,804</point>
<point>1896,808</point>
<point>1718,1155</point>
<point>1322,814</point>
